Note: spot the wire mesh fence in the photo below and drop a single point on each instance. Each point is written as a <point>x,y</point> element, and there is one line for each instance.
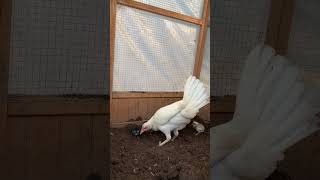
<point>192,8</point>
<point>303,47</point>
<point>237,27</point>
<point>57,48</point>
<point>152,52</point>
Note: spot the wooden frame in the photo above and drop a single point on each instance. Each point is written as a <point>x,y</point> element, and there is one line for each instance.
<point>127,95</point>
<point>57,105</point>
<point>5,23</point>
<point>139,98</point>
<point>113,7</point>
<point>202,39</point>
<point>160,11</point>
<point>87,105</point>
<point>279,25</point>
<point>203,22</point>
<point>5,27</point>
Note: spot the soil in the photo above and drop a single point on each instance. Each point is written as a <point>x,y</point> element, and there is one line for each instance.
<point>187,157</point>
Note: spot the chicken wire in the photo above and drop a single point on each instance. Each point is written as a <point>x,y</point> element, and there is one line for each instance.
<point>303,48</point>
<point>192,8</point>
<point>238,25</point>
<point>153,53</point>
<point>56,48</point>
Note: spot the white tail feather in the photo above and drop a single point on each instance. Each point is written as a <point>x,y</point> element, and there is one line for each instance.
<point>194,97</point>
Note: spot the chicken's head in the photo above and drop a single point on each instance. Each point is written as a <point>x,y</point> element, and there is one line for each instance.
<point>145,127</point>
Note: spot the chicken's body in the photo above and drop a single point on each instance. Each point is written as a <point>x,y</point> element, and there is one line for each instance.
<point>175,116</point>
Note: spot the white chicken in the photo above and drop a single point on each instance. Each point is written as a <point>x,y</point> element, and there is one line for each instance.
<point>275,108</point>
<point>174,117</point>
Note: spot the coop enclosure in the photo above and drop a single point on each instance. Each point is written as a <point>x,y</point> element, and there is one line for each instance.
<point>154,47</point>
<point>54,71</point>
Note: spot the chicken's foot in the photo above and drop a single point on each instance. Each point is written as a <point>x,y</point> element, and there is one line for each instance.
<point>168,138</point>
<point>196,134</point>
<point>176,133</point>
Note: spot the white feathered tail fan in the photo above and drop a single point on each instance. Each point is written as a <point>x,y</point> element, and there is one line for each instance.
<point>274,110</point>
<point>194,97</point>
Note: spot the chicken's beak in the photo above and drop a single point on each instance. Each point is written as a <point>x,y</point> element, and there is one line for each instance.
<point>141,131</point>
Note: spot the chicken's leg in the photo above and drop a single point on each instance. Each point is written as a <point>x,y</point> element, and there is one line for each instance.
<point>168,138</point>
<point>176,133</point>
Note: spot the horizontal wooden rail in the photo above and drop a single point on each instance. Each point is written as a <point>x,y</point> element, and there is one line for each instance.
<point>57,105</point>
<point>160,11</point>
<point>126,95</point>
<point>82,105</point>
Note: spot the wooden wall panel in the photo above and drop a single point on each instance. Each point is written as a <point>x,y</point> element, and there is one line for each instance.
<point>43,148</point>
<point>146,107</point>
<point>133,108</point>
<point>16,150</point>
<point>57,105</point>
<point>125,109</point>
<point>205,113</point>
<point>75,145</point>
<point>100,143</point>
<point>56,147</point>
<point>5,25</point>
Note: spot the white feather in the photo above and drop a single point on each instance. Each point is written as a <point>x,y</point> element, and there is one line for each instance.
<point>274,110</point>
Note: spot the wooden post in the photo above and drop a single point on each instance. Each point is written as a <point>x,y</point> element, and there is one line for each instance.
<point>279,25</point>
<point>113,14</point>
<point>202,39</point>
<point>5,23</point>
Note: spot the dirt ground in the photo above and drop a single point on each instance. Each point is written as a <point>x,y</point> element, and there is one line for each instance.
<point>187,157</point>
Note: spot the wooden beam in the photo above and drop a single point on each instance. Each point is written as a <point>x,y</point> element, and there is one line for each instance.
<point>273,23</point>
<point>285,26</point>
<point>57,105</point>
<point>5,26</point>
<point>93,105</point>
<point>202,40</point>
<point>279,25</point>
<point>113,15</point>
<point>160,11</point>
<point>221,111</point>
<point>126,95</point>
